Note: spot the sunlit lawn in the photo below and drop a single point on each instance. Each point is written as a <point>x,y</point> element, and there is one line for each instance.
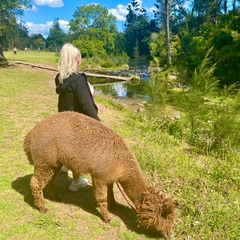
<point>43,57</point>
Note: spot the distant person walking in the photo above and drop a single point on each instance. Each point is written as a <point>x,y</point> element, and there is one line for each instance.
<point>56,52</point>
<point>15,50</point>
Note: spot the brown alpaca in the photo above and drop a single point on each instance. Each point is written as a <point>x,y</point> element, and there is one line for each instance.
<point>85,145</point>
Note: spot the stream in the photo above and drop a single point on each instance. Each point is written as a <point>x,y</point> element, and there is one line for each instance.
<point>127,91</point>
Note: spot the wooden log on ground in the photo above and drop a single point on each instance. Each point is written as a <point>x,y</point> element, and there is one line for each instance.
<point>36,65</point>
<point>119,78</point>
<point>107,84</point>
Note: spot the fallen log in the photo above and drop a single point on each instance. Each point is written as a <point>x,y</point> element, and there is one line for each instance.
<point>36,65</point>
<point>107,84</point>
<point>119,78</point>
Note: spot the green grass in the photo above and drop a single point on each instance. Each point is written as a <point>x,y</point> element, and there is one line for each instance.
<point>45,58</point>
<point>206,189</point>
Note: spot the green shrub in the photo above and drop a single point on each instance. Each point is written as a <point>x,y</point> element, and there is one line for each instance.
<point>107,64</point>
<point>210,117</point>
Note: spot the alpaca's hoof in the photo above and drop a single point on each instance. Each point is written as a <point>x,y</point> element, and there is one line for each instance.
<point>107,220</point>
<point>43,210</point>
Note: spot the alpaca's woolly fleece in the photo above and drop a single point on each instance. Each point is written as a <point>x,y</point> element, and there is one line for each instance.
<point>85,145</point>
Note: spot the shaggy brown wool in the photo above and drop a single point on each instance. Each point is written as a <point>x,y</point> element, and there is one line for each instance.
<point>155,211</point>
<point>85,145</point>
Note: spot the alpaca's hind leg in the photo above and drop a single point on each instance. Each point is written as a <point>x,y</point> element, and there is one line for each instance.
<point>100,193</point>
<point>37,194</point>
<point>39,180</point>
<point>51,186</point>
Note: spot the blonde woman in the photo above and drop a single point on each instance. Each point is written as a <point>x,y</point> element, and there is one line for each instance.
<point>74,93</point>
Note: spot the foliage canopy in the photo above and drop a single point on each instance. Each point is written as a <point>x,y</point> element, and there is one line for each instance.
<point>93,23</point>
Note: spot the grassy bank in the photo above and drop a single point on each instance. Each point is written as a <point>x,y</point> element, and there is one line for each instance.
<point>44,58</point>
<point>206,189</point>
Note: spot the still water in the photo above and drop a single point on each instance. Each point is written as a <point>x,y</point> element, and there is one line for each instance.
<point>126,90</point>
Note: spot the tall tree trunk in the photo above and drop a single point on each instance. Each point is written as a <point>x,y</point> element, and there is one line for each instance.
<point>2,58</point>
<point>234,5</point>
<point>225,7</point>
<point>167,31</point>
<point>216,11</point>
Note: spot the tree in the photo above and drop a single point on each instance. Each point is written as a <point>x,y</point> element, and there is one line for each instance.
<point>133,9</point>
<point>137,32</point>
<point>36,41</point>
<point>23,37</point>
<point>223,37</point>
<point>209,11</point>
<point>167,30</point>
<point>163,13</point>
<point>39,43</point>
<point>93,22</point>
<point>130,32</point>
<point>90,48</point>
<point>9,9</point>
<point>56,37</point>
<point>178,15</point>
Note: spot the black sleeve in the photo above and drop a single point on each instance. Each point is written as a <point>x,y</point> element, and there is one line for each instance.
<point>85,97</point>
<point>57,80</point>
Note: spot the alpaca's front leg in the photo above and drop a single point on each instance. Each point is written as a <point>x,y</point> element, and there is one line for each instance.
<point>100,192</point>
<point>110,196</point>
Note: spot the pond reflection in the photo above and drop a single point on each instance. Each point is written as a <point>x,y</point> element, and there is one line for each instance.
<point>125,89</point>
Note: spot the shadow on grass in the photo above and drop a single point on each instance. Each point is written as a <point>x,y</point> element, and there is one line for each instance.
<point>5,64</point>
<point>82,198</point>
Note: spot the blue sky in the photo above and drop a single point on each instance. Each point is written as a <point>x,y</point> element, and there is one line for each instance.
<point>41,16</point>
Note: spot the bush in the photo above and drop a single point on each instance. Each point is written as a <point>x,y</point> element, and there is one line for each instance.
<point>107,64</point>
<point>210,117</point>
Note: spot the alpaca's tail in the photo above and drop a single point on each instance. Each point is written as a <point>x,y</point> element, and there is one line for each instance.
<point>26,147</point>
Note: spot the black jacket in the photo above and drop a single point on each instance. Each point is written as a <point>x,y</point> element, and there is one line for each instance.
<point>75,95</point>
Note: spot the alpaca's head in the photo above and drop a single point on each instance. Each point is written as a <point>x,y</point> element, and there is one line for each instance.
<point>155,211</point>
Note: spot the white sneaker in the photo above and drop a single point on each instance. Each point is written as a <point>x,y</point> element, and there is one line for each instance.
<point>83,182</point>
<point>64,169</point>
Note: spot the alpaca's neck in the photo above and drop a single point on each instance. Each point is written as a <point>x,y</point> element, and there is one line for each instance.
<point>134,184</point>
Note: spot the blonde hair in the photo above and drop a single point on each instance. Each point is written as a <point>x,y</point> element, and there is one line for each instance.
<point>68,63</point>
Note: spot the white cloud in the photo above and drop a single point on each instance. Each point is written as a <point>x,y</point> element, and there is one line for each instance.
<point>43,28</point>
<point>120,12</point>
<point>64,25</point>
<point>50,3</point>
<point>33,8</point>
<point>150,10</point>
<point>38,28</point>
